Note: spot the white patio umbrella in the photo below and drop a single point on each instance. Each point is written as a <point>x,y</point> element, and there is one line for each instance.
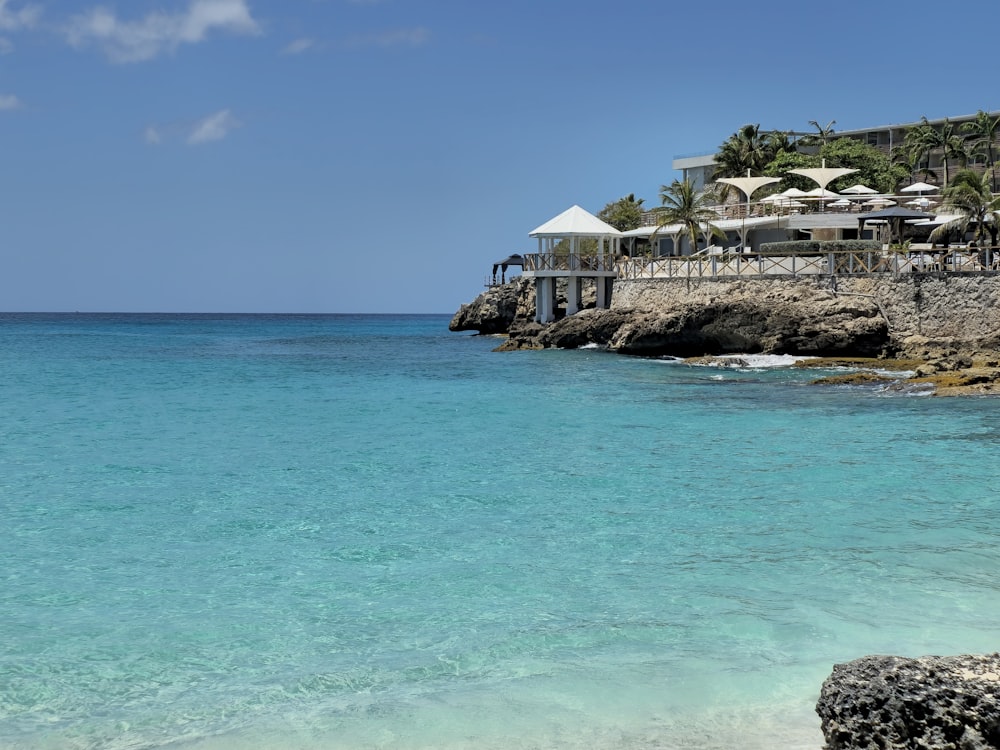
<point>880,202</point>
<point>919,188</point>
<point>793,193</point>
<point>859,189</point>
<point>918,203</point>
<point>842,203</point>
<point>821,193</point>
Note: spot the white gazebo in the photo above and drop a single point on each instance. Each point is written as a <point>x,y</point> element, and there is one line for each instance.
<point>545,267</point>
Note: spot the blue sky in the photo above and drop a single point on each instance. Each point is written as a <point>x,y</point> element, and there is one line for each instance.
<point>379,155</point>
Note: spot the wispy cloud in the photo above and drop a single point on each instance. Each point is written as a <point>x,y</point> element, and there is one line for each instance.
<point>213,128</point>
<point>24,18</point>
<point>8,102</point>
<point>412,37</point>
<point>152,135</point>
<point>298,47</point>
<point>159,32</point>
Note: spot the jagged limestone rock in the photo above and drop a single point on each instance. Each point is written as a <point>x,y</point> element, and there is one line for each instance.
<point>494,310</point>
<point>930,703</point>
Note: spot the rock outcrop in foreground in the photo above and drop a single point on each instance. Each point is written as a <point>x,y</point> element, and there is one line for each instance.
<point>931,703</point>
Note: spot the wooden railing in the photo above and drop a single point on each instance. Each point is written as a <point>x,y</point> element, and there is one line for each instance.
<point>569,262</point>
<point>844,263</point>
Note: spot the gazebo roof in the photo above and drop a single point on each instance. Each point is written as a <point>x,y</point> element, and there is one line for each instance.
<point>575,222</point>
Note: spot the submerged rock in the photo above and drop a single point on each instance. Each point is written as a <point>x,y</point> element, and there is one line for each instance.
<point>930,703</point>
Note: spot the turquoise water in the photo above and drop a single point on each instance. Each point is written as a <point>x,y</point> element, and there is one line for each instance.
<point>368,532</point>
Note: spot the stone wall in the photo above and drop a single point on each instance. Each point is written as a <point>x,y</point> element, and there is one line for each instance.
<point>935,306</point>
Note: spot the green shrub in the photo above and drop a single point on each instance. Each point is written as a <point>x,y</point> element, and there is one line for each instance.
<point>819,247</point>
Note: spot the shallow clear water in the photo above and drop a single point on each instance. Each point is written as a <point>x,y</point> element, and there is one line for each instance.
<point>368,532</point>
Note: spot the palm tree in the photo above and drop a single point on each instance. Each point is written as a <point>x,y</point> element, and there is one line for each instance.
<point>745,149</point>
<point>917,145</point>
<point>747,152</point>
<point>925,138</point>
<point>983,131</point>
<point>904,157</point>
<point>777,142</point>
<point>970,197</point>
<point>822,135</point>
<point>953,147</point>
<point>682,204</point>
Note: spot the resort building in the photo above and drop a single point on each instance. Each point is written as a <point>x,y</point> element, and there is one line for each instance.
<point>699,168</point>
<point>894,229</point>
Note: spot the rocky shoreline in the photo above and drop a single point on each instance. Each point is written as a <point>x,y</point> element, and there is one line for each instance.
<point>795,317</point>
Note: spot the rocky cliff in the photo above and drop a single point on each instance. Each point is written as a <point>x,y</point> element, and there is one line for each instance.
<point>946,326</point>
<point>859,315</point>
<point>496,309</point>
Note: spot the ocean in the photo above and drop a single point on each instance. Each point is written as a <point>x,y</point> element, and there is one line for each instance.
<point>225,532</point>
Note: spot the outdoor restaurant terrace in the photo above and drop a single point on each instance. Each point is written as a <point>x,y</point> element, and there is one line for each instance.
<point>894,230</point>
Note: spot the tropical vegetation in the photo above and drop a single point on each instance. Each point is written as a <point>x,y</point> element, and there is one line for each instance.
<point>982,134</point>
<point>923,139</point>
<point>823,134</point>
<point>684,205</point>
<point>623,214</point>
<point>748,151</point>
<point>970,197</point>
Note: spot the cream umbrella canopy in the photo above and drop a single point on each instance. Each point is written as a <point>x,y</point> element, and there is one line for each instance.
<point>823,175</point>
<point>748,185</point>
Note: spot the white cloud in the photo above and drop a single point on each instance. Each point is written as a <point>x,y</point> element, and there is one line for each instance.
<point>159,32</point>
<point>8,102</point>
<point>6,46</point>
<point>152,135</point>
<point>13,20</point>
<point>213,128</point>
<point>298,46</point>
<point>413,37</point>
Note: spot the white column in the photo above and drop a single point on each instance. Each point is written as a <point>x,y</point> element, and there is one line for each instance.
<point>550,310</point>
<point>573,295</point>
<point>602,292</point>
<point>539,298</point>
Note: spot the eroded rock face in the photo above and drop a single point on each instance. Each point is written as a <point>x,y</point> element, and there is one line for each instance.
<point>930,703</point>
<point>494,310</point>
<point>831,327</point>
<point>586,327</point>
